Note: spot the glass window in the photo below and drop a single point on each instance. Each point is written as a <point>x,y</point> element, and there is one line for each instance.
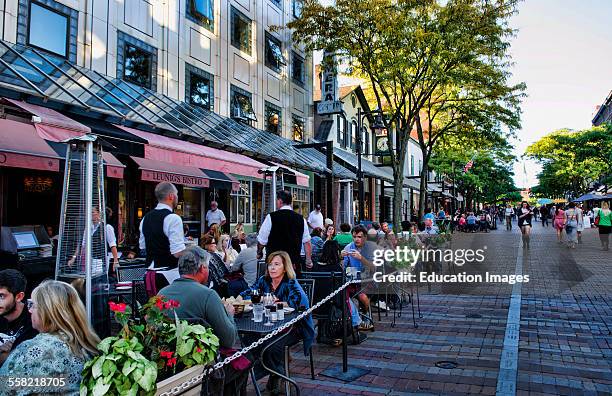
<point>340,130</point>
<point>353,134</point>
<point>301,199</point>
<point>298,5</point>
<point>240,205</point>
<point>48,30</point>
<point>274,120</point>
<point>241,31</point>
<point>297,126</point>
<point>297,69</point>
<point>137,66</point>
<point>242,108</point>
<point>278,3</point>
<point>200,90</point>
<point>366,141</point>
<point>202,11</point>
<point>411,165</point>
<point>347,137</point>
<point>420,166</point>
<point>274,53</point>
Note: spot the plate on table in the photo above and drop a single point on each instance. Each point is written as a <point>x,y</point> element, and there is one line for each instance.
<point>123,287</point>
<point>288,309</point>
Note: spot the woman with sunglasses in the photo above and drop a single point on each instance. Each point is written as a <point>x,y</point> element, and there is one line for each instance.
<point>64,343</point>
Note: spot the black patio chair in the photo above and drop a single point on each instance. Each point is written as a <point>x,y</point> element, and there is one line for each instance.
<point>127,273</point>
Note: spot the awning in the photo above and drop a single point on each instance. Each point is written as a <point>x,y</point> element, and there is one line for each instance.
<point>174,151</point>
<point>52,125</point>
<point>302,179</point>
<point>367,167</point>
<point>159,171</point>
<point>340,172</point>
<point>21,147</point>
<point>415,184</point>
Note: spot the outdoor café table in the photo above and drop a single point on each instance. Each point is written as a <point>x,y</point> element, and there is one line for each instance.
<point>246,325</point>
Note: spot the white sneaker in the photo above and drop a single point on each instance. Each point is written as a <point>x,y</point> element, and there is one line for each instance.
<point>382,305</point>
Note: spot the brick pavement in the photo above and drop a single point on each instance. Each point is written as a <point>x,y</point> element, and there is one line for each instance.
<point>565,340</point>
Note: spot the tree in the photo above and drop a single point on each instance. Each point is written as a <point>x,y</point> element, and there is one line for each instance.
<point>489,180</point>
<point>439,67</point>
<point>572,160</point>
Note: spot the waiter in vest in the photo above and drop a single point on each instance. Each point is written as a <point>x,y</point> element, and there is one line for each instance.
<point>161,236</point>
<point>285,230</point>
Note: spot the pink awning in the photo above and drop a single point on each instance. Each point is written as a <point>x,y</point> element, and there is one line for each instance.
<point>21,147</point>
<point>174,151</point>
<point>158,171</point>
<point>114,168</point>
<point>52,125</point>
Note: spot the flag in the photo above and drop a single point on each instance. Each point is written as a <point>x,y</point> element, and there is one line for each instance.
<point>468,166</point>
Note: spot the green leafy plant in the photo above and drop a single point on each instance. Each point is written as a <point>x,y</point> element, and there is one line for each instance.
<point>150,347</point>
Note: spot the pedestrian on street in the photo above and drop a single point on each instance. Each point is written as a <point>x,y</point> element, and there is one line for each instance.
<point>559,223</point>
<point>580,227</point>
<point>544,215</point>
<point>571,225</point>
<point>605,224</point>
<point>284,230</point>
<point>509,212</point>
<point>524,222</point>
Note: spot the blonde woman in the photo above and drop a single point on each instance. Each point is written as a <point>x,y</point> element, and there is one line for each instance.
<point>66,340</point>
<point>226,251</point>
<point>605,225</point>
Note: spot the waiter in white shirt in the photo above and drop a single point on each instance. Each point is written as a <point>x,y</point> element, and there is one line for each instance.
<point>315,218</point>
<point>285,230</point>
<point>161,236</point>
<point>215,215</point>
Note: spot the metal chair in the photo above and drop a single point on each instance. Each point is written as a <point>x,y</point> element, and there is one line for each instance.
<point>131,273</point>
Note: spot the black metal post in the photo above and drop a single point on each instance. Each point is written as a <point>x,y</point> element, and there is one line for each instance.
<point>359,171</point>
<point>344,318</point>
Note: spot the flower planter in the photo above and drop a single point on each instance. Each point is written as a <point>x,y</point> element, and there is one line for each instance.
<point>177,379</point>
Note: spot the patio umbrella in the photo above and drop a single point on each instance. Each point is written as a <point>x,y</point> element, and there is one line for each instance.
<point>544,201</point>
<point>587,197</point>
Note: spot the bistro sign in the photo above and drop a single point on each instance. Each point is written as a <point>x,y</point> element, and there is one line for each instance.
<point>329,103</point>
<point>190,181</point>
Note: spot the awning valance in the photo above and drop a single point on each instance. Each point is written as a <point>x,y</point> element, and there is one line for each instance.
<point>21,147</point>
<point>368,168</point>
<point>159,171</point>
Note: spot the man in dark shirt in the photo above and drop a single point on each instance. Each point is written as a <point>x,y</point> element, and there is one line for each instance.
<point>15,321</point>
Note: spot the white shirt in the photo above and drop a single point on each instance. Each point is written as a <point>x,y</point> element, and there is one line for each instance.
<point>509,211</point>
<point>173,229</point>
<point>266,227</point>
<point>214,217</point>
<point>315,219</point>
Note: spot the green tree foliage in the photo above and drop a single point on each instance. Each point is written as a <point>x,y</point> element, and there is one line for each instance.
<point>572,160</point>
<point>440,67</point>
<point>490,179</point>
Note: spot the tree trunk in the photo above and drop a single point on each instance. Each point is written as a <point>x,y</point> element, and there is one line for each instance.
<point>397,204</point>
<point>423,190</point>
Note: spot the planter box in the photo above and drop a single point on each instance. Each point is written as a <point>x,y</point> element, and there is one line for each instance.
<point>177,379</point>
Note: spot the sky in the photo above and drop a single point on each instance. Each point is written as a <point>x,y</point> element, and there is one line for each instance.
<point>563,52</point>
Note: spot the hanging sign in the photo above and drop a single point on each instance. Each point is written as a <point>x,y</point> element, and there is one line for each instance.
<point>329,103</point>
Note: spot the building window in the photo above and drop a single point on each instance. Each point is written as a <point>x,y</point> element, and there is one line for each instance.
<point>353,135</point>
<point>202,12</point>
<point>411,165</point>
<point>49,26</point>
<point>298,5</point>
<point>48,30</point>
<point>274,119</point>
<point>136,61</point>
<point>297,69</point>
<point>297,126</point>
<point>241,105</point>
<point>354,100</point>
<point>347,135</point>
<point>301,200</point>
<point>420,166</point>
<point>278,3</point>
<point>366,141</point>
<point>199,87</point>
<point>241,31</point>
<point>274,53</point>
<point>240,204</point>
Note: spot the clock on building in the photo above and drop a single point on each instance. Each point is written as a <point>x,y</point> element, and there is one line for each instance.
<point>382,145</point>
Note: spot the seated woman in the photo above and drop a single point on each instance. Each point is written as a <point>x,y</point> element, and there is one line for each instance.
<point>280,280</point>
<point>226,284</point>
<point>317,243</point>
<point>330,254</point>
<point>64,343</point>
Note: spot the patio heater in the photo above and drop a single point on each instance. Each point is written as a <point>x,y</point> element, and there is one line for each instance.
<point>273,178</point>
<point>81,253</point>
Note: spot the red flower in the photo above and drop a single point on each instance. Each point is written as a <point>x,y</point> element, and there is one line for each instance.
<point>166,354</point>
<point>120,307</point>
<point>171,362</point>
<point>174,303</point>
<point>199,350</point>
<point>159,304</point>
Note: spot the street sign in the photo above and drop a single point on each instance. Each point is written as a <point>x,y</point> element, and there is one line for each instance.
<point>329,103</point>
<point>329,107</point>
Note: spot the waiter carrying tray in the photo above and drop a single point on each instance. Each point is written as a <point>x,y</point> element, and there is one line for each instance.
<point>285,230</point>
<point>161,237</point>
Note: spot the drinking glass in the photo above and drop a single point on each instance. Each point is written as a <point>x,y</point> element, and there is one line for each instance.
<point>258,310</point>
<point>255,296</point>
<point>268,310</point>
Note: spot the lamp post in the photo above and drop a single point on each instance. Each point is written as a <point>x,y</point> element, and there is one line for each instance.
<point>377,126</point>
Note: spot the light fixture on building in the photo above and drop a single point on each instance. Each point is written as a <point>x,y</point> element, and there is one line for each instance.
<point>139,213</point>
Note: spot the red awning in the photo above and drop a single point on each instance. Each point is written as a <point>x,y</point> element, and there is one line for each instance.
<point>175,151</point>
<point>21,147</point>
<point>159,171</point>
<point>114,168</point>
<point>52,125</point>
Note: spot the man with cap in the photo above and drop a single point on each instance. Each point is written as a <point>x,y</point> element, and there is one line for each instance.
<point>315,218</point>
<point>285,230</point>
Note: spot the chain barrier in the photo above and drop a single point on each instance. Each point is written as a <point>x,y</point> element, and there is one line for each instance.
<point>177,390</point>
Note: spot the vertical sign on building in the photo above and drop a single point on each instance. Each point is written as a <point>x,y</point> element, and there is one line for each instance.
<point>329,103</point>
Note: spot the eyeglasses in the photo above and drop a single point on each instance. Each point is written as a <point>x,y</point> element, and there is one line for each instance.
<point>30,304</point>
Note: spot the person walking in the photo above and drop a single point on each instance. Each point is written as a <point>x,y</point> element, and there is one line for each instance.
<point>559,223</point>
<point>580,218</point>
<point>162,238</point>
<point>570,220</point>
<point>509,212</point>
<point>284,230</point>
<point>524,223</point>
<point>544,215</point>
<point>605,224</point>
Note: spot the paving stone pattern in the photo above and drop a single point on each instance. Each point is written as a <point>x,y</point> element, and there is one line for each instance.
<point>565,328</point>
